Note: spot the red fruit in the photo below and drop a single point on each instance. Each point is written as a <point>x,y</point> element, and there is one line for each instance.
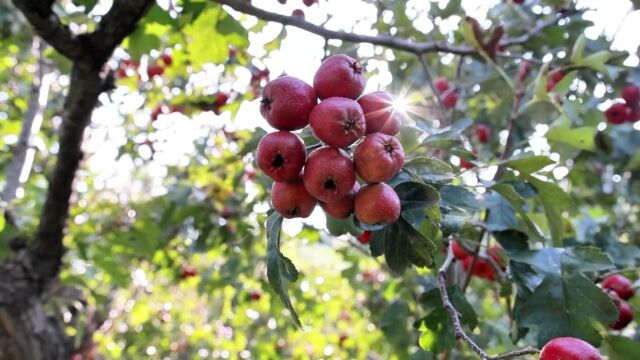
<point>554,78</point>
<point>482,268</point>
<point>378,157</point>
<point>449,99</point>
<point>282,1</point>
<point>379,113</point>
<point>482,132</point>
<point>298,13</point>
<point>291,199</point>
<point>519,1</point>
<point>523,70</point>
<point>620,284</point>
<point>329,174</point>
<point>255,295</point>
<point>343,207</point>
<point>233,51</point>
<point>76,357</point>
<point>338,122</point>
<point>465,164</point>
<point>631,95</point>
<point>377,204</point>
<point>287,103</point>
<point>166,59</point>
<point>157,112</point>
<point>281,155</point>
<point>442,84</point>
<point>568,348</point>
<point>617,113</point>
<point>187,272</point>
<point>309,2</point>
<point>341,76</point>
<point>154,70</point>
<point>221,99</point>
<point>625,315</point>
<point>634,114</point>
<point>365,237</point>
<point>458,251</point>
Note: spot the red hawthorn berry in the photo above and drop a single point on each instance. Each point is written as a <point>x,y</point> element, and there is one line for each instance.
<point>221,99</point>
<point>441,84</point>
<point>364,238</point>
<point>450,98</point>
<point>482,132</point>
<point>342,339</point>
<point>519,1</point>
<point>617,113</point>
<point>187,272</point>
<point>631,95</point>
<point>554,78</point>
<point>458,251</point>
<point>298,13</point>
<point>154,70</point>
<point>166,59</point>
<point>482,268</point>
<point>233,52</point>
<point>569,348</point>
<point>625,315</point>
<point>255,295</point>
<point>465,164</point>
<point>634,114</point>
<point>282,1</point>
<point>620,284</point>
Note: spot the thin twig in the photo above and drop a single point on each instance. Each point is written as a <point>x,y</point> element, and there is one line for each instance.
<point>427,73</point>
<point>455,317</point>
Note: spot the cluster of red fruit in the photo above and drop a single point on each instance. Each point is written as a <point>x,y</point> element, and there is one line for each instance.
<point>448,95</point>
<point>483,267</point>
<point>340,123</point>
<point>619,289</point>
<point>627,111</point>
<point>129,68</point>
<point>299,12</point>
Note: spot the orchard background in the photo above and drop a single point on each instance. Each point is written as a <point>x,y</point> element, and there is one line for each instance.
<point>136,222</point>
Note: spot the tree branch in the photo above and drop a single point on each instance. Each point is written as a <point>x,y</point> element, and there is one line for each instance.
<point>48,26</point>
<point>455,316</point>
<point>417,48</point>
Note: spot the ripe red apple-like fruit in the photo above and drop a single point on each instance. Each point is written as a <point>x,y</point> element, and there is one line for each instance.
<point>620,284</point>
<point>458,251</point>
<point>281,155</point>
<point>154,70</point>
<point>482,132</point>
<point>309,2</point>
<point>466,164</point>
<point>377,204</point>
<point>482,268</point>
<point>255,295</point>
<point>378,157</point>
<point>365,237</point>
<point>617,113</point>
<point>631,95</point>
<point>634,114</point>
<point>338,122</point>
<point>287,102</point>
<point>343,207</point>
<point>450,98</point>
<point>379,113</point>
<point>187,272</point>
<point>166,59</point>
<point>298,13</point>
<point>329,174</point>
<point>291,199</point>
<point>625,315</point>
<point>519,1</point>
<point>339,76</point>
<point>568,348</point>
<point>441,84</point>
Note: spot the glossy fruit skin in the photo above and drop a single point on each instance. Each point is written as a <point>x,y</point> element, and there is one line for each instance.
<point>631,95</point>
<point>634,114</point>
<point>378,157</point>
<point>449,99</point>
<point>482,268</point>
<point>329,174</point>
<point>379,113</point>
<point>292,200</point>
<point>483,132</point>
<point>338,122</point>
<point>343,207</point>
<point>287,103</point>
<point>298,13</point>
<point>166,59</point>
<point>339,76</point>
<point>365,237</point>
<point>281,155</point>
<point>617,113</point>
<point>625,315</point>
<point>441,84</point>
<point>568,348</point>
<point>458,251</point>
<point>620,284</point>
<point>377,204</point>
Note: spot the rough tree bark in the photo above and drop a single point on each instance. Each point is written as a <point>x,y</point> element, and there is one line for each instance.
<point>27,331</point>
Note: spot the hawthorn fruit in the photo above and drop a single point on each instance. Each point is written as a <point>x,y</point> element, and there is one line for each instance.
<point>450,98</point>
<point>378,157</point>
<point>365,237</point>
<point>377,204</point>
<point>441,84</point>
<point>620,284</point>
<point>298,13</point>
<point>482,133</point>
<point>631,95</point>
<point>281,155</point>
<point>625,315</point>
<point>166,59</point>
<point>568,348</point>
<point>329,174</point>
<point>339,76</point>
<point>287,103</point>
<point>292,200</point>
<point>379,113</point>
<point>617,113</point>
<point>338,122</point>
<point>343,207</point>
<point>154,70</point>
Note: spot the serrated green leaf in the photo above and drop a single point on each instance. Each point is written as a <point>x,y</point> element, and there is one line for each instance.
<point>529,163</point>
<point>416,195</point>
<point>586,259</point>
<point>580,138</point>
<point>429,169</point>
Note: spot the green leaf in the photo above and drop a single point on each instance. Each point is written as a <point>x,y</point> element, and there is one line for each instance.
<point>280,270</point>
<point>458,199</point>
<point>422,250</point>
<point>416,196</point>
<point>2,221</point>
<point>553,200</point>
<point>452,8</point>
<point>541,84</point>
<point>448,136</point>
<point>429,169</point>
<point>585,258</point>
<point>396,249</point>
<point>567,306</point>
<point>502,215</point>
<point>578,48</point>
<point>622,348</point>
<point>596,61</point>
<point>529,164</point>
<point>580,138</point>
